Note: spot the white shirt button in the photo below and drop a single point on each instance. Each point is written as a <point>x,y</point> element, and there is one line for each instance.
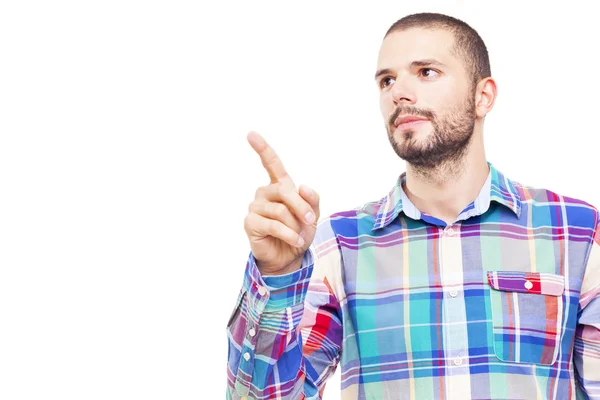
<point>262,291</point>
<point>453,293</point>
<point>450,231</point>
<point>528,285</point>
<point>246,356</point>
<point>252,332</point>
<point>458,361</point>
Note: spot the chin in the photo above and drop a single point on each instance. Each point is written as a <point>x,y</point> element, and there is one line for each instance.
<point>418,135</point>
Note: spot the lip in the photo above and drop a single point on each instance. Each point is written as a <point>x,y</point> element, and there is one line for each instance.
<point>408,119</point>
<point>411,124</point>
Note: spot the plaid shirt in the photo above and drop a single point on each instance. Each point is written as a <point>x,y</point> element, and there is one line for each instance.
<point>504,303</point>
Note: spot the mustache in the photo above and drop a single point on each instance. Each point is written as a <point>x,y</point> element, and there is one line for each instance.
<point>409,110</point>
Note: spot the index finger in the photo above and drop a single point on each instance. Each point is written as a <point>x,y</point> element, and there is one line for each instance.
<point>269,158</point>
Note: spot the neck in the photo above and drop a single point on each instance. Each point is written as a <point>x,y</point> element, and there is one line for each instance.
<point>447,189</point>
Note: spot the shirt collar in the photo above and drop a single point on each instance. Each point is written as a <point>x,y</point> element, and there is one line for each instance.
<point>497,187</point>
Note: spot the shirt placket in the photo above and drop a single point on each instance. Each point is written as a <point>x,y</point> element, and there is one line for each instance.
<point>454,319</point>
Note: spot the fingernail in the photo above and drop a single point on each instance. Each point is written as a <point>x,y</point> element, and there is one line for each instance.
<point>309,217</point>
<point>300,242</point>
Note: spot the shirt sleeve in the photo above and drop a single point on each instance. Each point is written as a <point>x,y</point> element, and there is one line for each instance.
<point>285,333</point>
<point>587,335</point>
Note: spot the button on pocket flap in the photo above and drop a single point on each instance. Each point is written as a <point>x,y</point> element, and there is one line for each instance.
<point>527,282</point>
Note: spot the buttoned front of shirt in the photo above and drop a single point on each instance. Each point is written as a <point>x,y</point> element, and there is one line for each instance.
<point>488,307</point>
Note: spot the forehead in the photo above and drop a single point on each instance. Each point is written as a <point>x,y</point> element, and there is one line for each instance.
<point>400,48</point>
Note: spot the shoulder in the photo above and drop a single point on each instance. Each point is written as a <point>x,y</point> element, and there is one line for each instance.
<point>345,224</point>
<point>558,206</point>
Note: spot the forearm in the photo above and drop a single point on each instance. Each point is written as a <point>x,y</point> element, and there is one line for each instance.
<point>265,346</point>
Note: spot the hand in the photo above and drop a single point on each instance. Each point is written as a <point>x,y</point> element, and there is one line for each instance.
<point>281,221</point>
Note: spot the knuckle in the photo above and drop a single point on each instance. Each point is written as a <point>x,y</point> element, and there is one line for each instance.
<point>278,210</point>
<point>267,209</point>
<point>273,228</point>
<point>281,190</point>
<point>254,207</point>
<point>259,192</point>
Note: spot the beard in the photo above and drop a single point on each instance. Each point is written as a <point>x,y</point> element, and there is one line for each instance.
<point>446,145</point>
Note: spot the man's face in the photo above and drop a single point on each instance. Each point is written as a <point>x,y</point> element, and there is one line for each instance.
<point>418,76</point>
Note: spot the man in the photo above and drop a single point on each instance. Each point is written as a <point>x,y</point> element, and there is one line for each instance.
<point>458,284</point>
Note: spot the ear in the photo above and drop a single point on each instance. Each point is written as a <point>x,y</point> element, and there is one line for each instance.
<point>485,96</point>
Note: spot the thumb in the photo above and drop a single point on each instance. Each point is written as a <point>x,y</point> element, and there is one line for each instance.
<point>311,198</point>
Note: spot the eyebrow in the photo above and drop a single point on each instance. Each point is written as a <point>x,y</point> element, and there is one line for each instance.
<point>414,64</point>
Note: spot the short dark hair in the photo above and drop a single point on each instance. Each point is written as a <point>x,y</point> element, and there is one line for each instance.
<point>468,45</point>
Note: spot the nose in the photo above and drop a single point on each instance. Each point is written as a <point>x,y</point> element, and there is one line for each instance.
<point>402,93</point>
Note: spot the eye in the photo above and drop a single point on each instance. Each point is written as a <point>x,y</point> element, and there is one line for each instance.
<point>385,82</point>
<point>429,74</point>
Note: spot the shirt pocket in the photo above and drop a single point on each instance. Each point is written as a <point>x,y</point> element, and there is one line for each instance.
<point>527,314</point>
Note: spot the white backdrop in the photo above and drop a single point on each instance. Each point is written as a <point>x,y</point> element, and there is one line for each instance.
<point>125,174</point>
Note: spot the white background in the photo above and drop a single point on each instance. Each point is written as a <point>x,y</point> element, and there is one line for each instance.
<point>125,174</point>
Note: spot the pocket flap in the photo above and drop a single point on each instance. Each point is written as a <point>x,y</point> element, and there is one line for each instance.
<point>527,282</point>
